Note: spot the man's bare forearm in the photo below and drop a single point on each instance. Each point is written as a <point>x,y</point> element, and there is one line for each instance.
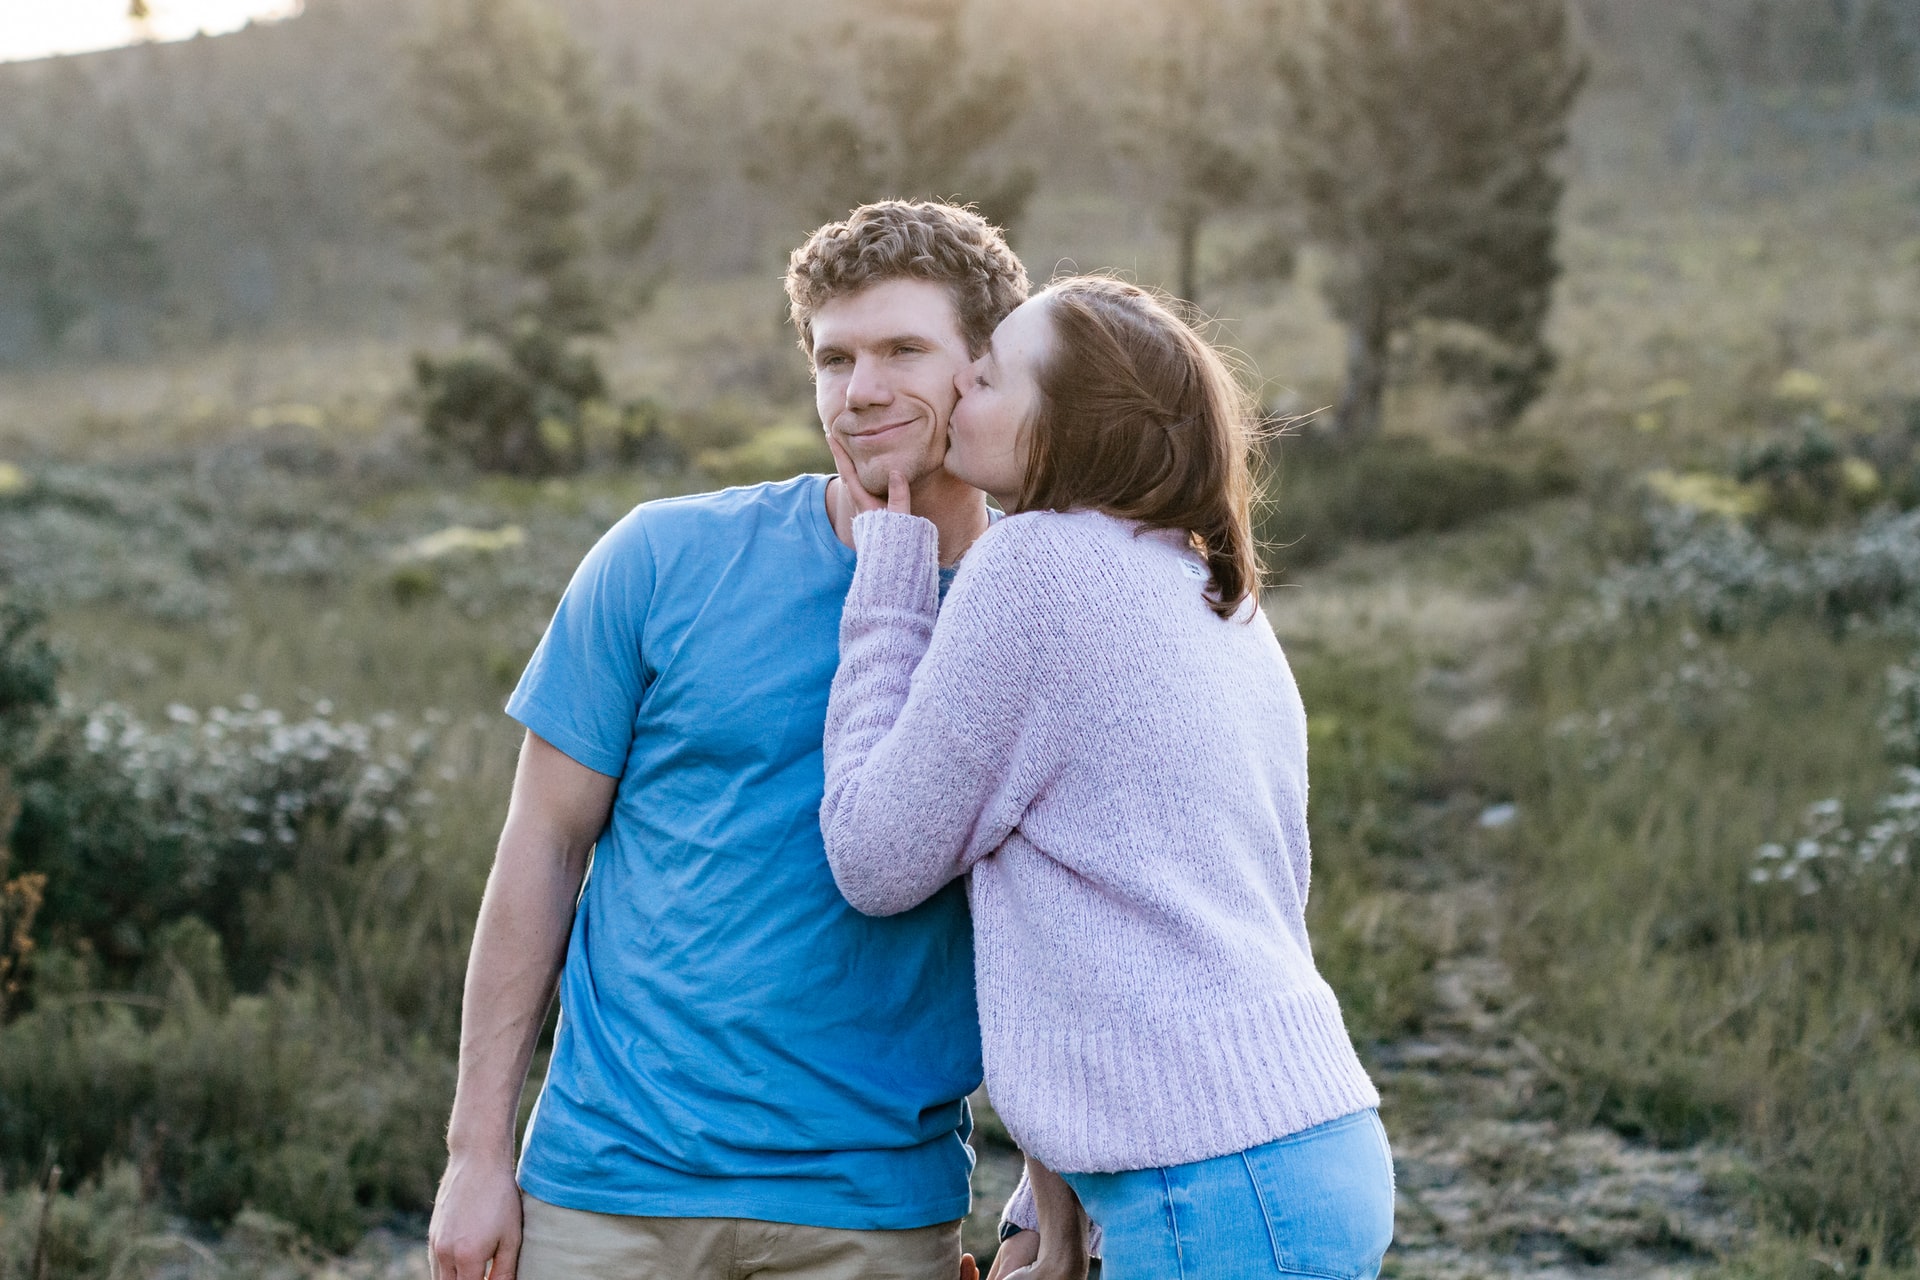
<point>520,941</point>
<point>518,946</point>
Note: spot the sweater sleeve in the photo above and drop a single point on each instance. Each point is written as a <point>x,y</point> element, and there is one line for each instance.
<point>1020,1211</point>
<point>933,748</point>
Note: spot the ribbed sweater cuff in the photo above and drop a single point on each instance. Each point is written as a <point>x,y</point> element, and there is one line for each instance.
<point>898,565</point>
<point>1023,1213</point>
<point>1020,1209</point>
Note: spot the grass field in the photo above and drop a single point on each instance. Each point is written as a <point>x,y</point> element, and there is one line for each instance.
<point>1611,821</point>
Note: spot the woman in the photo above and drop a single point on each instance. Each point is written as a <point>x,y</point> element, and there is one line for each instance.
<point>1103,730</point>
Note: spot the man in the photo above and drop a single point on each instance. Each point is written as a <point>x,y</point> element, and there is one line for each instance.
<point>750,1078</point>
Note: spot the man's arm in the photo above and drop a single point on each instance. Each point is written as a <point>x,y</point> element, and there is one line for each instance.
<point>558,810</point>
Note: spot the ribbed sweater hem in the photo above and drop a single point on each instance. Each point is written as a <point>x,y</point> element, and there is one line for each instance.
<point>1131,1093</point>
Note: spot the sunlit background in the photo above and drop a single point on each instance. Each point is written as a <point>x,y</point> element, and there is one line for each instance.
<point>44,28</point>
<point>1590,334</point>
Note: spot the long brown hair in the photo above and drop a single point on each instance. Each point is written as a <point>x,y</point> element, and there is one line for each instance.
<point>1140,417</point>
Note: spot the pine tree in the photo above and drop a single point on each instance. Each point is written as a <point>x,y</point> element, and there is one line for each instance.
<point>76,233</point>
<point>551,226</point>
<point>1186,131</point>
<point>1420,137</point>
<point>914,114</point>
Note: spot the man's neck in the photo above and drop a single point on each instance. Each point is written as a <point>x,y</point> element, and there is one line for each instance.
<point>957,510</point>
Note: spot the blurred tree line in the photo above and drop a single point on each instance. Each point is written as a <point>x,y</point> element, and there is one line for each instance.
<point>1414,142</point>
<point>532,167</point>
<point>175,194</point>
<point>1738,76</point>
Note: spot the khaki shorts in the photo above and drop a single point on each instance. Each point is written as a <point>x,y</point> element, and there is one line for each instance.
<point>561,1244</point>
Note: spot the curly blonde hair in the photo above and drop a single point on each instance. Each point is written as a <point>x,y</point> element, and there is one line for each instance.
<point>913,240</point>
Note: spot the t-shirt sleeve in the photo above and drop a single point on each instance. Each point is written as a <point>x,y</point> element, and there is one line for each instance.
<point>583,684</point>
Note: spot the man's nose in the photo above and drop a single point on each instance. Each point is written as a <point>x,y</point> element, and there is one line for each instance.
<point>868,385</point>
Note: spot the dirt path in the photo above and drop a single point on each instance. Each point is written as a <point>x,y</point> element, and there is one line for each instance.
<point>1485,1190</point>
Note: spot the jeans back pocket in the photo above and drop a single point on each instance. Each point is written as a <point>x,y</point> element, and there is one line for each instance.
<point>1327,1194</point>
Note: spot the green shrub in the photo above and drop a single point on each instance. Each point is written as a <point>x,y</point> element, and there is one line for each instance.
<point>28,671</point>
<point>724,422</point>
<point>135,827</point>
<point>171,537</point>
<point>102,1229</point>
<point>247,988</point>
<point>1505,377</point>
<point>1328,493</point>
<point>285,1102</point>
<point>640,437</point>
<point>1776,1255</point>
<point>1810,477</point>
<point>1727,576</point>
<point>519,411</point>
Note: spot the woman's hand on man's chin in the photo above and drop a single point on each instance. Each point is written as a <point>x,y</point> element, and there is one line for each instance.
<point>899,493</point>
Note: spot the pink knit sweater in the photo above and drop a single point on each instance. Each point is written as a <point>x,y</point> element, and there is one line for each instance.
<point>1125,775</point>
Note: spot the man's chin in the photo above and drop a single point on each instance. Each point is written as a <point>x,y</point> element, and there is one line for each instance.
<point>875,473</point>
<point>873,479</point>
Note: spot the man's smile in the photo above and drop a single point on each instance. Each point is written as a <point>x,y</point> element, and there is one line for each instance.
<point>877,432</point>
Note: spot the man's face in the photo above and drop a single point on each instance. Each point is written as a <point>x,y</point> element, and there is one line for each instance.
<point>885,360</point>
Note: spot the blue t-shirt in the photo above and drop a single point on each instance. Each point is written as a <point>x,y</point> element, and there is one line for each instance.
<point>735,1040</point>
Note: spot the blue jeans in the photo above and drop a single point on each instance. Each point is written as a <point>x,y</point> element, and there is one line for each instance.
<point>1314,1203</point>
